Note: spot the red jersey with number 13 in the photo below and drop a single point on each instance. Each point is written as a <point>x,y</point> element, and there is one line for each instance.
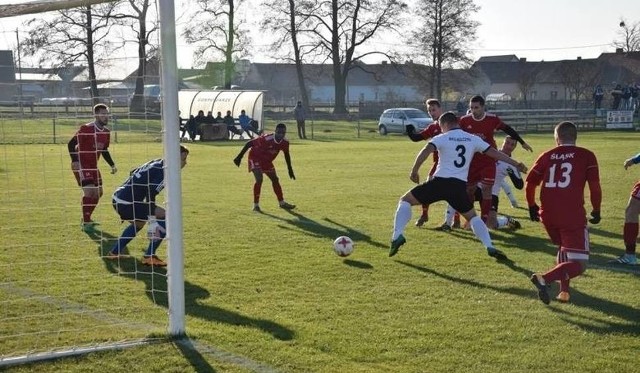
<point>563,173</point>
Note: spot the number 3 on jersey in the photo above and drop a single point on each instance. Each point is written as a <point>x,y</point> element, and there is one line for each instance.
<point>461,151</point>
<point>563,180</point>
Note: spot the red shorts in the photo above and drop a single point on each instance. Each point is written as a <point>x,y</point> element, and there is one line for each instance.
<point>260,165</point>
<point>573,242</point>
<point>635,192</point>
<point>482,170</point>
<point>88,177</point>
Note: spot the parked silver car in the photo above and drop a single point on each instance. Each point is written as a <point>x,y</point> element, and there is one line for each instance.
<point>396,120</point>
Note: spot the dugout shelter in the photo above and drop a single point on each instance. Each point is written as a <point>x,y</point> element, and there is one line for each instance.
<point>190,101</point>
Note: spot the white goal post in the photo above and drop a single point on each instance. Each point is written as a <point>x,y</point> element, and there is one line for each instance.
<point>10,291</point>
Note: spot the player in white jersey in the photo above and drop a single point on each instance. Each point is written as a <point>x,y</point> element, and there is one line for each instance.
<point>449,183</point>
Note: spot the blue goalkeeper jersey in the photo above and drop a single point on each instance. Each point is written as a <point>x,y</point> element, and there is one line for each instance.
<point>144,183</point>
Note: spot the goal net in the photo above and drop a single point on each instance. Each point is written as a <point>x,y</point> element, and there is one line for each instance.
<point>60,292</point>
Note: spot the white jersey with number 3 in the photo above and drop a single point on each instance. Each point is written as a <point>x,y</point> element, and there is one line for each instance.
<point>456,149</point>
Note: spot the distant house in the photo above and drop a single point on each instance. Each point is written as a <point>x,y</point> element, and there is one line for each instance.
<point>8,87</point>
<point>546,81</point>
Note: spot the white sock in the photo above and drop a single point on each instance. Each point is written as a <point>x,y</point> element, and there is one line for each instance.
<point>481,231</point>
<point>401,219</point>
<point>503,221</point>
<point>448,215</point>
<point>507,190</point>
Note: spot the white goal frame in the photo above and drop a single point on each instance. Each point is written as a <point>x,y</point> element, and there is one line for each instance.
<point>173,181</point>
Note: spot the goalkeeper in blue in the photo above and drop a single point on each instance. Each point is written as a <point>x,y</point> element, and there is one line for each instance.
<point>135,202</point>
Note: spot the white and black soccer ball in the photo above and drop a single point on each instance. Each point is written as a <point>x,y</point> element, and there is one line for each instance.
<point>343,246</point>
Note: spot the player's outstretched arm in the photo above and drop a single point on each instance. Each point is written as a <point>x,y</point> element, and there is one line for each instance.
<point>420,158</point>
<point>238,159</point>
<point>631,161</point>
<point>493,153</point>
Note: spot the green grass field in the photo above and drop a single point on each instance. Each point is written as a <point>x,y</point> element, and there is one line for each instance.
<point>265,292</point>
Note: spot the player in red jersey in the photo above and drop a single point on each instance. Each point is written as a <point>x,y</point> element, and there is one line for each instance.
<point>264,149</point>
<point>435,111</point>
<point>85,148</point>
<point>562,174</point>
<point>630,228</point>
<point>483,168</point>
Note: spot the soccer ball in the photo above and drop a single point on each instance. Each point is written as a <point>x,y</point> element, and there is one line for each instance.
<point>343,246</point>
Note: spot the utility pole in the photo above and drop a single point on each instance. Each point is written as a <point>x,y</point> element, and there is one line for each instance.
<point>19,67</point>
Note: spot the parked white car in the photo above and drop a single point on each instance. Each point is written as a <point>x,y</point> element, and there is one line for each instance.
<point>396,120</point>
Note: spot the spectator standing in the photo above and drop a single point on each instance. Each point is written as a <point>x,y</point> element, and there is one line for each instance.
<point>598,95</point>
<point>300,113</point>
<point>617,97</point>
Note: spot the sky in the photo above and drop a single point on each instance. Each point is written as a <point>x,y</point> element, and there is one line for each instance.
<point>538,30</point>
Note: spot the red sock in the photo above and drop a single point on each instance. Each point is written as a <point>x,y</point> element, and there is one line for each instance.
<point>256,192</point>
<point>563,271</point>
<point>630,235</point>
<point>485,207</point>
<point>277,189</point>
<point>88,205</point>
<point>564,285</point>
<point>425,210</point>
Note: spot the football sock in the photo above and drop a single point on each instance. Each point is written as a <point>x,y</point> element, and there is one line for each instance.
<point>485,207</point>
<point>277,189</point>
<point>154,244</point>
<point>630,235</point>
<point>88,205</point>
<point>256,192</point>
<point>127,235</point>
<point>449,215</point>
<point>502,221</point>
<point>481,231</point>
<point>563,271</point>
<point>425,210</point>
<point>564,285</point>
<point>401,219</point>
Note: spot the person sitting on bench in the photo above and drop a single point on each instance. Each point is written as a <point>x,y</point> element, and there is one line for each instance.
<point>246,125</point>
<point>231,125</point>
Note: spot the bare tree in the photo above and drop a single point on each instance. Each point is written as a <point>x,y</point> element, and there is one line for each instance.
<point>629,35</point>
<point>77,35</point>
<point>579,77</point>
<point>134,14</point>
<point>338,30</point>
<point>527,78</point>
<point>442,36</point>
<point>215,30</point>
<point>283,21</point>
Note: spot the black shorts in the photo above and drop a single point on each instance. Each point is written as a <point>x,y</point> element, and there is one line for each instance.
<point>133,211</point>
<point>452,190</point>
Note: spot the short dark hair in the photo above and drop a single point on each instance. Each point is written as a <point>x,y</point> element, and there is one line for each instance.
<point>478,99</point>
<point>184,149</point>
<point>99,107</point>
<point>433,101</point>
<point>448,118</point>
<point>281,125</point>
<point>567,131</point>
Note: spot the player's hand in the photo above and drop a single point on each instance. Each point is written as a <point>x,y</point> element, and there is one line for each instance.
<point>595,217</point>
<point>237,161</point>
<point>415,177</point>
<point>628,163</point>
<point>154,230</point>
<point>114,169</point>
<point>534,213</point>
<point>527,147</point>
<point>292,175</point>
<point>75,166</point>
<point>410,129</point>
<point>522,168</point>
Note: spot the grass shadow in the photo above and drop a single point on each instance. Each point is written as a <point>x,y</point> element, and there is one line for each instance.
<point>578,299</point>
<point>357,264</point>
<point>326,229</point>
